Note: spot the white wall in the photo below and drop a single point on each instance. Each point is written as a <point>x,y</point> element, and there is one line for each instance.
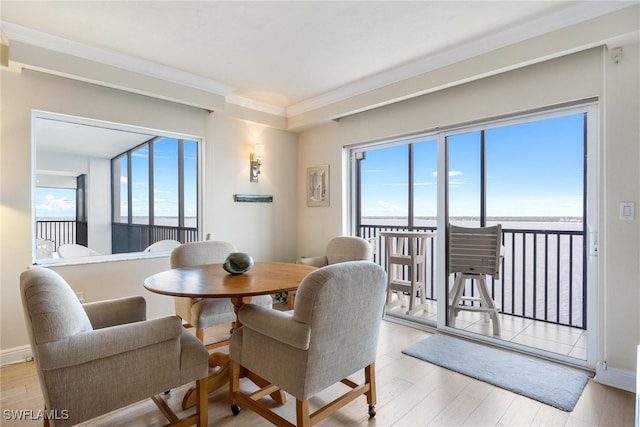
<point>266,231</point>
<point>620,181</point>
<point>573,77</point>
<point>99,205</point>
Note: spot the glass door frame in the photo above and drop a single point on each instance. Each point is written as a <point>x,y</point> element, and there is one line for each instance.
<point>591,227</point>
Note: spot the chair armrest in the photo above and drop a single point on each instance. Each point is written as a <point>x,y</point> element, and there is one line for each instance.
<point>316,261</point>
<point>106,342</point>
<point>117,311</point>
<point>275,324</point>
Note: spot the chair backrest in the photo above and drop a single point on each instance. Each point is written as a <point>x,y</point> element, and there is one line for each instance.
<point>52,310</point>
<point>348,248</point>
<point>73,250</point>
<point>52,313</point>
<point>475,250</point>
<point>200,253</point>
<point>343,306</point>
<point>162,245</point>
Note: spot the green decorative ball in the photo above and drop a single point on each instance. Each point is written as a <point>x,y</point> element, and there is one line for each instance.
<point>238,263</point>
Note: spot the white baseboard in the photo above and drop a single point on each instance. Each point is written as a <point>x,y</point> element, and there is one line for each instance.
<point>614,377</point>
<point>15,355</point>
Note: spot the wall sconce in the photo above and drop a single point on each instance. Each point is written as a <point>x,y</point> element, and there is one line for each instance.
<point>255,161</point>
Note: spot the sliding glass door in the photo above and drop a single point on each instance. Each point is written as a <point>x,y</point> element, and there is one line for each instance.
<point>529,177</point>
<point>535,176</point>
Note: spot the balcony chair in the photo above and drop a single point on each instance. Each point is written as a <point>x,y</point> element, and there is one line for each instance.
<point>162,245</point>
<point>94,358</point>
<point>332,333</point>
<point>406,253</point>
<point>202,313</point>
<point>73,250</point>
<point>474,253</point>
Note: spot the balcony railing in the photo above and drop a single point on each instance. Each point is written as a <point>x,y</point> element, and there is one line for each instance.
<point>59,232</point>
<point>136,237</point>
<point>542,277</point>
<point>125,237</point>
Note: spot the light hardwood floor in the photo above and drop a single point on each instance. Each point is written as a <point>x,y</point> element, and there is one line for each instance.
<point>410,393</point>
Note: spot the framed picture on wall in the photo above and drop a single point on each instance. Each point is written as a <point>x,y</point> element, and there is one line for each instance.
<point>318,186</point>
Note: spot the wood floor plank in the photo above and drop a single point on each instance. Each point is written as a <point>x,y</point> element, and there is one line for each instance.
<point>521,412</point>
<point>410,393</point>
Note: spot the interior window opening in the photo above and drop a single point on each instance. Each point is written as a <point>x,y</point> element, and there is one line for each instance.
<point>152,177</point>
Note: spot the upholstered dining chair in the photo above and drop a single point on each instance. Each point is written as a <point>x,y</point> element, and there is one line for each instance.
<point>341,249</point>
<point>203,313</point>
<point>331,334</point>
<point>97,357</point>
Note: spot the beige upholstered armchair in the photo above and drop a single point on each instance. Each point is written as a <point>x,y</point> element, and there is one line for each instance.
<point>94,358</point>
<point>332,333</point>
<point>341,249</point>
<point>202,313</point>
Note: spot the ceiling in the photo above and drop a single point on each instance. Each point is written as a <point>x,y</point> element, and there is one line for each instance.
<point>64,135</point>
<point>283,54</point>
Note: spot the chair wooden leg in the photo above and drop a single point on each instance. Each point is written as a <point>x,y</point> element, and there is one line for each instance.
<point>302,413</point>
<point>234,381</point>
<point>202,397</point>
<point>370,378</point>
<point>200,335</point>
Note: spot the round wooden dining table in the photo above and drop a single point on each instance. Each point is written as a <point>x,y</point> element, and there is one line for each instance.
<point>212,281</point>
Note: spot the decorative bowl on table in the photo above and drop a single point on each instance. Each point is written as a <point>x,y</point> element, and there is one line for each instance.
<point>238,263</point>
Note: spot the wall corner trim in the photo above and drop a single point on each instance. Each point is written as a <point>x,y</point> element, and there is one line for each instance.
<point>15,355</point>
<point>614,377</point>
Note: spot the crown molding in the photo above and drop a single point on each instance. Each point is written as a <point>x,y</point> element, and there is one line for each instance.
<point>580,12</point>
<point>112,58</point>
<point>254,104</point>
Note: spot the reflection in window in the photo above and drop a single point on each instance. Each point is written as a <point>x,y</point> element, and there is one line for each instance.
<point>163,189</point>
<point>385,186</point>
<point>55,219</point>
<point>425,190</point>
<point>465,184</point>
<point>140,185</point>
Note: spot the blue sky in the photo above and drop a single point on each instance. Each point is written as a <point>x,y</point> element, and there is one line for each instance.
<point>165,180</point>
<point>533,169</point>
<point>55,203</point>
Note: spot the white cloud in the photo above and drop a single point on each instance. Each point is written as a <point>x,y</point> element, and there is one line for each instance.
<point>451,173</point>
<point>51,206</point>
<point>385,208</point>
